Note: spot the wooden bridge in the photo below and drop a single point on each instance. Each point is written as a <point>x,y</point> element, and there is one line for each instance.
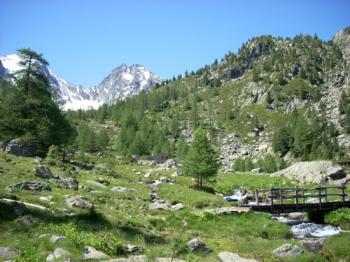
<point>287,200</point>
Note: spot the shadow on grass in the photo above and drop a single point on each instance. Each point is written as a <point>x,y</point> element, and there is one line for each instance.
<point>87,220</point>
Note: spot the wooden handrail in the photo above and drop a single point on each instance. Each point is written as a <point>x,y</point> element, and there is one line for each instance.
<point>322,193</point>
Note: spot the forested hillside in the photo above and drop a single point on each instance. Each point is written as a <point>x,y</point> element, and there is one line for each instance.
<point>287,98</point>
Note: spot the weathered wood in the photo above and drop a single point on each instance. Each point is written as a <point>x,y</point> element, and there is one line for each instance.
<point>277,196</point>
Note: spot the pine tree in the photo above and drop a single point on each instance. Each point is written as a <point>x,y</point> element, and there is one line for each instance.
<point>102,140</point>
<point>181,148</point>
<point>282,141</point>
<point>200,161</point>
<point>28,110</point>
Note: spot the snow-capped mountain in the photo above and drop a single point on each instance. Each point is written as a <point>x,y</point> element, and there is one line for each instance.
<point>124,81</point>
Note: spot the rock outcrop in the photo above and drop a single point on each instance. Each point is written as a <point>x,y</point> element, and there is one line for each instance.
<point>312,172</point>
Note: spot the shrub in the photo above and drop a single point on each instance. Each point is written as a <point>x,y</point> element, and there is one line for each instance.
<point>339,217</point>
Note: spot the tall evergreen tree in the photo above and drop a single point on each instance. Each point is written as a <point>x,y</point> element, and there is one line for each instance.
<point>200,161</point>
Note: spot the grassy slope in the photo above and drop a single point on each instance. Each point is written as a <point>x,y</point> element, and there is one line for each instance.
<point>122,218</point>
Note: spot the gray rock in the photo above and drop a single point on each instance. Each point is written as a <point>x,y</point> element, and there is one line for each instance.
<point>256,170</point>
<point>96,184</point>
<point>120,189</point>
<point>7,253</point>
<point>38,160</point>
<point>287,250</point>
<point>91,253</point>
<point>313,244</point>
<point>160,205</point>
<point>19,148</point>
<point>68,183</point>
<point>335,173</point>
<point>168,259</point>
<point>129,259</point>
<point>78,201</point>
<point>308,172</point>
<point>197,245</point>
<point>43,172</point>
<point>58,253</point>
<point>178,207</point>
<point>147,162</point>
<point>170,163</point>
<point>55,239</point>
<point>35,186</point>
<point>132,249</point>
<point>177,173</point>
<point>233,257</point>
<point>28,220</point>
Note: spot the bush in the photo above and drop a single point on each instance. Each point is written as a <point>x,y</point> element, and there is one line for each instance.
<point>340,217</point>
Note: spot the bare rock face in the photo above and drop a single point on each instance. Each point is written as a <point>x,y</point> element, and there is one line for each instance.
<point>342,39</point>
<point>312,172</point>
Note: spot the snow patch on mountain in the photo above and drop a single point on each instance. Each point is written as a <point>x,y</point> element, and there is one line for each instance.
<point>124,81</point>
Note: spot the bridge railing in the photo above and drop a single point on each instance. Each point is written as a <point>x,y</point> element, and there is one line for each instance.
<point>300,196</point>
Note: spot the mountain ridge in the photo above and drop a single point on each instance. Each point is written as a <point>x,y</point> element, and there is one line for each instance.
<point>117,85</point>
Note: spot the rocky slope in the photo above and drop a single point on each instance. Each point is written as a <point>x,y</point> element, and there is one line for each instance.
<point>124,81</point>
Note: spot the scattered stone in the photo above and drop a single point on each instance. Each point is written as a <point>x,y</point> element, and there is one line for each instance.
<point>197,245</point>
<point>57,254</point>
<point>256,170</point>
<point>44,172</point>
<point>130,259</point>
<point>313,244</point>
<point>287,250</point>
<point>233,257</point>
<point>68,183</point>
<point>91,253</point>
<point>177,173</point>
<point>178,207</point>
<point>147,162</point>
<point>96,184</point>
<point>170,163</point>
<point>78,201</point>
<point>55,239</point>
<point>229,210</point>
<point>19,148</point>
<point>132,249</point>
<point>28,220</point>
<point>7,253</point>
<point>36,186</point>
<point>44,199</point>
<point>120,189</point>
<point>44,235</point>
<point>103,181</point>
<point>168,259</point>
<point>160,205</point>
<point>138,173</point>
<point>38,160</point>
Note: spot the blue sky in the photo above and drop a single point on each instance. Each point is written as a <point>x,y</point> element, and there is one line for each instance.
<point>83,40</point>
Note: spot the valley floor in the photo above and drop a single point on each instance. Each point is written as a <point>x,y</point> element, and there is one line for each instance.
<point>123,223</point>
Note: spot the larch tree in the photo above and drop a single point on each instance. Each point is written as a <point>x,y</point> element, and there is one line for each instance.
<point>201,160</point>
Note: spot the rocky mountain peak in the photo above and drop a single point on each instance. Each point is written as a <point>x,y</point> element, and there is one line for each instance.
<point>122,82</point>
